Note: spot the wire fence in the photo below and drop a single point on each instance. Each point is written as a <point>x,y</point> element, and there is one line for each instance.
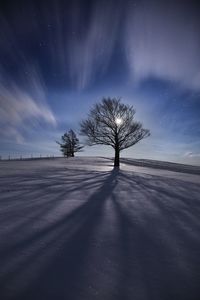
<point>27,157</point>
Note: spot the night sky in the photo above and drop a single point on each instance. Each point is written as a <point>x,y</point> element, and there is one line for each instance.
<point>58,58</point>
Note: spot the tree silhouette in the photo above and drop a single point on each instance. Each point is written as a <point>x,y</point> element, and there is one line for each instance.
<point>112,123</point>
<point>69,144</point>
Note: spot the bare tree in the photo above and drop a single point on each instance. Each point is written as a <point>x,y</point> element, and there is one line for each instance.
<point>69,144</point>
<point>112,123</point>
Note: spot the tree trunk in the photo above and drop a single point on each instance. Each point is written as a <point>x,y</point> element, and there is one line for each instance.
<point>116,162</point>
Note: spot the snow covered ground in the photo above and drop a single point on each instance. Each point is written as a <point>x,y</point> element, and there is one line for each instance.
<point>77,229</point>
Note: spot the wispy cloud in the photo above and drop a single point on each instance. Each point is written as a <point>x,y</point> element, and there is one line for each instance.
<point>21,110</point>
<point>90,52</point>
<point>162,40</point>
<point>76,45</point>
<point>23,103</point>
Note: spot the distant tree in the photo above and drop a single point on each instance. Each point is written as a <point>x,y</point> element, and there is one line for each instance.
<point>112,123</point>
<point>69,144</point>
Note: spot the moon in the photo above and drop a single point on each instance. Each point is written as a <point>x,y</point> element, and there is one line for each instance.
<point>118,121</point>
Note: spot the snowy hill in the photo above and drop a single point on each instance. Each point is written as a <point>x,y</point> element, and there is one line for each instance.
<point>163,165</point>
<point>78,229</point>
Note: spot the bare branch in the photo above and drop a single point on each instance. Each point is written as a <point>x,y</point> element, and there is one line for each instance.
<point>101,126</point>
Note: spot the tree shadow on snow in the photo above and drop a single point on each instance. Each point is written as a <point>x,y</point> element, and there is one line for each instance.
<point>51,261</point>
<point>159,239</point>
<point>134,237</point>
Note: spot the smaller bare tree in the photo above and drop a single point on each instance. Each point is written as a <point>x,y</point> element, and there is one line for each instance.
<point>112,123</point>
<point>69,144</point>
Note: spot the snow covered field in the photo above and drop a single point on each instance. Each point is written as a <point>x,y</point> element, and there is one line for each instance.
<point>77,229</point>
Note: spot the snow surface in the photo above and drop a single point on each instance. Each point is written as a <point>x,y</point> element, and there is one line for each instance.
<point>78,229</point>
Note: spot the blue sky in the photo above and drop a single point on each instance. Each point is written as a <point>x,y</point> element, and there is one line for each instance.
<point>58,58</point>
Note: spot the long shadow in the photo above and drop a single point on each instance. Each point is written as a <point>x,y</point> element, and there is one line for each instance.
<point>32,192</point>
<point>61,274</point>
<point>159,258</point>
<point>153,252</point>
<point>34,196</point>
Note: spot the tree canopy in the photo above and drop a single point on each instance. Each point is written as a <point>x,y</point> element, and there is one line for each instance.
<point>112,123</point>
<point>69,144</point>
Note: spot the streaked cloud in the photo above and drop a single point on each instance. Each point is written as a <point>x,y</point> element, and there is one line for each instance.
<point>75,46</point>
<point>162,40</point>
<point>90,52</point>
<point>20,111</point>
<point>23,103</point>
